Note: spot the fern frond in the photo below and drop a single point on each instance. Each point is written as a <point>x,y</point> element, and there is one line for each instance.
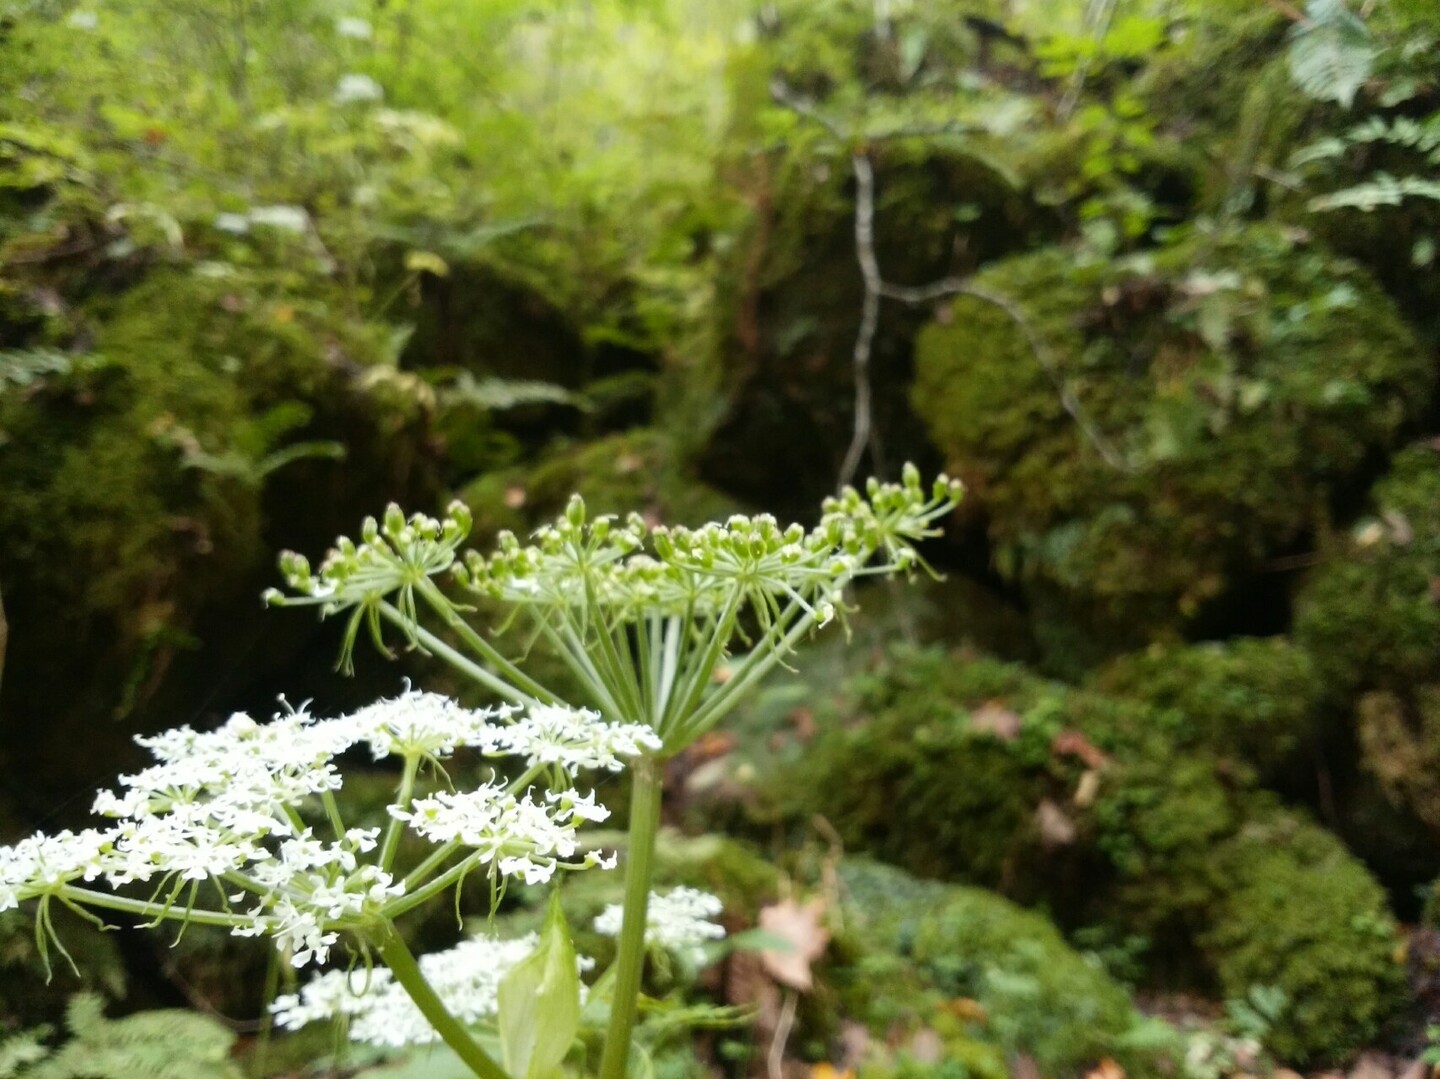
<point>166,1044</point>
<point>22,368</point>
<point>1331,54</point>
<point>498,394</point>
<point>1382,189</point>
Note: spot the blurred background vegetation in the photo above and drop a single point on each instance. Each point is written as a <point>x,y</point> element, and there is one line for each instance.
<point>1156,278</point>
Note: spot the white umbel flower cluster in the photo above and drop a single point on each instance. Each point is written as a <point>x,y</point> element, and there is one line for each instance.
<point>520,837</point>
<point>221,817</point>
<point>677,921</point>
<point>379,1012</point>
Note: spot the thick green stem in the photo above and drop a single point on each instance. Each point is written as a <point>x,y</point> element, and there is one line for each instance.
<point>630,955</point>
<point>402,964</point>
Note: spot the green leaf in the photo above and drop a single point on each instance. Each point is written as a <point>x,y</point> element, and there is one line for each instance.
<point>540,1003</point>
<point>1330,52</point>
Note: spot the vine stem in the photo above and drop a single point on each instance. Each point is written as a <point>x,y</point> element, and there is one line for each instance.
<point>630,955</point>
<point>402,963</point>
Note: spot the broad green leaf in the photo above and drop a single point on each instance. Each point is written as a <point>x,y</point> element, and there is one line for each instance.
<point>540,1003</point>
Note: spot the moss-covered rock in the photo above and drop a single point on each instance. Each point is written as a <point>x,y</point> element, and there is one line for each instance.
<point>1369,613</point>
<point>992,980</point>
<point>1251,700</point>
<point>142,494</point>
<point>1370,618</point>
<point>1295,910</point>
<point>1187,416</point>
<point>925,786</point>
<point>1111,811</point>
<point>1399,735</point>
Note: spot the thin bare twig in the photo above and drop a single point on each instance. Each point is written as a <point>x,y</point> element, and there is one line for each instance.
<point>863,435</point>
<point>776,1059</point>
<point>954,286</point>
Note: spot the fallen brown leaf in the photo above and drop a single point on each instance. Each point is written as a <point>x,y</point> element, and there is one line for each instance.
<point>1071,742</point>
<point>1056,829</point>
<point>1106,1069</point>
<point>992,717</point>
<point>801,927</point>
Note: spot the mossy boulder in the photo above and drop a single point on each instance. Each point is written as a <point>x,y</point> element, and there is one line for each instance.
<point>1399,736</point>
<point>898,740</point>
<point>1370,618</point>
<point>1369,614</point>
<point>779,353</point>
<point>1294,909</point>
<point>1143,435</point>
<point>144,491</point>
<point>990,979</point>
<point>1251,700</point>
<point>1110,811</point>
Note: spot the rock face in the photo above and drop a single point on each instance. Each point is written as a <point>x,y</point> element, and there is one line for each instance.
<point>1144,435</point>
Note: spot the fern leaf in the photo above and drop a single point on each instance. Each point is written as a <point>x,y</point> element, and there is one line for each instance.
<point>167,1044</point>
<point>1331,54</point>
<point>20,1050</point>
<point>23,368</point>
<point>498,394</point>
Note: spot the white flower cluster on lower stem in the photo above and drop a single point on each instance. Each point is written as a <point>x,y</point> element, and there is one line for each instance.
<point>218,817</point>
<point>467,979</point>
<point>678,921</point>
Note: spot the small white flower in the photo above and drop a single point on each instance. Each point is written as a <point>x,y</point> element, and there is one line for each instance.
<point>357,89</point>
<point>427,725</point>
<point>678,921</point>
<point>285,218</point>
<point>351,27</point>
<point>466,977</point>
<point>576,738</point>
<point>236,224</point>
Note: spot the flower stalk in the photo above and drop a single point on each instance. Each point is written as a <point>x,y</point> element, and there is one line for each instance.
<point>402,963</point>
<point>646,785</point>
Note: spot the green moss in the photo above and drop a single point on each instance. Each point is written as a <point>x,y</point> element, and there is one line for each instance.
<point>1298,912</point>
<point>1236,378</point>
<point>136,493</point>
<point>922,787</point>
<point>1252,701</point>
<point>1399,734</point>
<point>1368,615</point>
<point>1013,984</point>
<point>1111,810</point>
